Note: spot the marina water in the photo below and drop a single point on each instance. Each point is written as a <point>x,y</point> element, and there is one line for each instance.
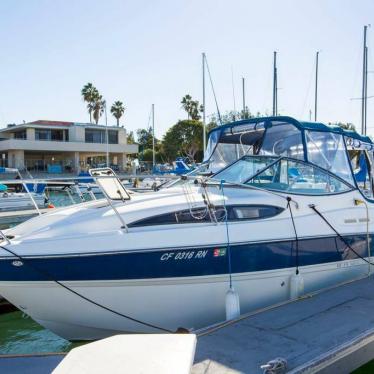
<point>19,334</point>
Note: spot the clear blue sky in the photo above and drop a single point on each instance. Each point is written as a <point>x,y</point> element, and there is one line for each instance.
<point>144,52</point>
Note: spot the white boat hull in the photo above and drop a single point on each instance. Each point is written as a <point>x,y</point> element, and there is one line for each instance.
<point>192,302</point>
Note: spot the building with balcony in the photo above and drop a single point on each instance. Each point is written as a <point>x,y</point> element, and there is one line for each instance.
<point>64,146</point>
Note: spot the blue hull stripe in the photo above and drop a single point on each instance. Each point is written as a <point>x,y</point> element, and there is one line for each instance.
<point>183,262</point>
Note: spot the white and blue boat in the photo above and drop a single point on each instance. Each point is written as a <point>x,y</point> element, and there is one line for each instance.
<point>17,195</point>
<point>288,211</point>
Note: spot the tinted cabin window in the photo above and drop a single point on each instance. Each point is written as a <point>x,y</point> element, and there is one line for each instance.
<point>254,212</point>
<point>201,215</point>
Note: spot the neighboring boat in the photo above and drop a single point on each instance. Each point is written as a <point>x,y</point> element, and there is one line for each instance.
<point>19,196</point>
<point>289,214</point>
<point>21,201</point>
<point>87,188</point>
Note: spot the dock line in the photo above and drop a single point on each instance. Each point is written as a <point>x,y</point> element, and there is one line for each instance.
<point>51,278</point>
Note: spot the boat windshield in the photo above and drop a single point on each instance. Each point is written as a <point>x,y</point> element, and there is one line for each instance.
<point>245,168</point>
<point>284,175</point>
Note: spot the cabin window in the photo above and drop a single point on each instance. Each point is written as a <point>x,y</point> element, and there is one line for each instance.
<point>226,146</point>
<point>361,162</point>
<point>212,143</point>
<point>247,212</point>
<point>283,139</point>
<point>201,215</point>
<point>299,178</point>
<point>327,150</point>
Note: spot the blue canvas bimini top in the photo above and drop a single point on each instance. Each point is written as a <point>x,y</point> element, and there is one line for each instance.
<point>302,125</point>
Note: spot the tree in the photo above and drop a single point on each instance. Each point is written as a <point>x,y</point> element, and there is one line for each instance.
<point>130,138</point>
<point>145,138</point>
<point>345,126</point>
<point>89,93</point>
<point>117,110</point>
<point>185,138</point>
<point>98,108</point>
<point>192,107</point>
<point>232,116</point>
<point>147,155</point>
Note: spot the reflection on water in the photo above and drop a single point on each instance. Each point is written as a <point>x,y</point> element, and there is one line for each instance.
<point>19,333</point>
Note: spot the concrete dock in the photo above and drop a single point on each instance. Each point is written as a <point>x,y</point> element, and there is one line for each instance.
<point>327,332</point>
<point>30,364</point>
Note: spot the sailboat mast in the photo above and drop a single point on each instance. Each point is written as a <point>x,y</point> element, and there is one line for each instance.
<point>366,87</point>
<point>153,139</point>
<point>243,94</point>
<point>106,136</point>
<point>275,88</point>
<point>316,89</point>
<point>204,123</point>
<point>364,78</point>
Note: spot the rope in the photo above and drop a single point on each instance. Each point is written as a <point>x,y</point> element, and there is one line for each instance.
<point>214,93</point>
<point>227,233</point>
<point>276,366</point>
<point>191,202</point>
<point>51,278</point>
<point>313,207</point>
<point>296,236</point>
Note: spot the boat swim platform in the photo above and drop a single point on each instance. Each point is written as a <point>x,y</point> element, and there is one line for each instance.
<point>331,331</point>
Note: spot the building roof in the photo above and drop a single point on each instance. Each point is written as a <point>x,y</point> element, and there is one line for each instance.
<point>50,123</point>
<point>57,124</point>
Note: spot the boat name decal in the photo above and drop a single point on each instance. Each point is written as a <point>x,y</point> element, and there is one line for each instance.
<point>184,255</point>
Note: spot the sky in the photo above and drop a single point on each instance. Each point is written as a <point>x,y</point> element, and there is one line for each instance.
<point>149,52</point>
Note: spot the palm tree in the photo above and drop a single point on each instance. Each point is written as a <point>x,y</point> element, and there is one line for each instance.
<point>117,110</point>
<point>98,107</point>
<point>90,94</point>
<point>192,107</point>
<point>186,104</point>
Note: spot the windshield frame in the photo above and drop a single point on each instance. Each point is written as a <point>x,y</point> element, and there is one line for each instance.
<point>351,187</point>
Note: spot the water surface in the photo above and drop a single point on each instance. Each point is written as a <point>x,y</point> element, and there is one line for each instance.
<point>19,334</point>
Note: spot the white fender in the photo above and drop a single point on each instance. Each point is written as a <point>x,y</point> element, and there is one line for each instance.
<point>232,304</point>
<point>296,286</point>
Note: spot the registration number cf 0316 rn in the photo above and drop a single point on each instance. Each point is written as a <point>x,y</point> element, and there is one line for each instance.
<point>184,255</point>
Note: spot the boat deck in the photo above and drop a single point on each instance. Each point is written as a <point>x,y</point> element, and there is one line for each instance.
<point>328,332</point>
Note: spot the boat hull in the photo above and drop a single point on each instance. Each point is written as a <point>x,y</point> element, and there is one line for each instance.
<point>168,303</point>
